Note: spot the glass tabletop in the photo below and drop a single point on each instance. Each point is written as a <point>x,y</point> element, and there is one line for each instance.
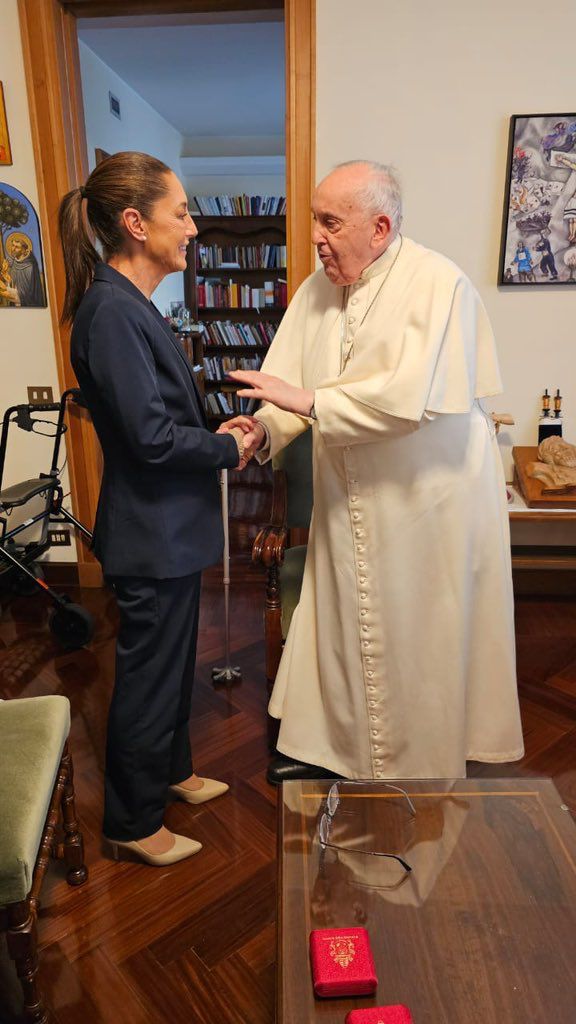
<point>479,929</point>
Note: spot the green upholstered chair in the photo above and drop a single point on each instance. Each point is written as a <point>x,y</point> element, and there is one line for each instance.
<point>36,787</point>
<point>280,546</point>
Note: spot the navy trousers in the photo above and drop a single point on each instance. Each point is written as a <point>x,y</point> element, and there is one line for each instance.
<point>148,742</point>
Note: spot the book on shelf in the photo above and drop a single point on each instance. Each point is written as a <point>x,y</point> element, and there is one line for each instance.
<point>240,206</point>
<point>212,294</point>
<point>241,257</point>
<point>227,332</point>
<point>220,403</point>
<point>216,368</point>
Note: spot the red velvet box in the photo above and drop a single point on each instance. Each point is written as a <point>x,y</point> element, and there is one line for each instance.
<point>342,962</point>
<point>381,1015</point>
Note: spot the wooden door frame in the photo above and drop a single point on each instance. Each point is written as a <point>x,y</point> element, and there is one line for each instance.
<point>50,45</point>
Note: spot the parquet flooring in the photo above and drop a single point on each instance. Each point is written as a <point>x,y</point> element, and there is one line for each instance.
<point>195,943</point>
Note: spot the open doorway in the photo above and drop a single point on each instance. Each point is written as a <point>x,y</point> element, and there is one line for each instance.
<point>205,93</point>
<point>50,38</point>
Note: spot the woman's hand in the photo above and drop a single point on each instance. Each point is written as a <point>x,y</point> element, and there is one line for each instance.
<point>253,431</point>
<point>266,388</point>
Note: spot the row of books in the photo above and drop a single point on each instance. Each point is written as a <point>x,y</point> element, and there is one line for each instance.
<point>224,332</point>
<point>220,403</point>
<point>216,367</point>
<point>211,294</point>
<point>244,257</point>
<point>240,206</point>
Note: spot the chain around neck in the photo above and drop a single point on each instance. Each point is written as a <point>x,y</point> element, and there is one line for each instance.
<point>346,356</point>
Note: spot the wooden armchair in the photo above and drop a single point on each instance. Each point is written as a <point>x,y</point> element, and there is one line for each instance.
<point>280,546</point>
<point>36,793</point>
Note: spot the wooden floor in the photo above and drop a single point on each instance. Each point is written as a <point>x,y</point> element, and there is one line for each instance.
<point>195,943</point>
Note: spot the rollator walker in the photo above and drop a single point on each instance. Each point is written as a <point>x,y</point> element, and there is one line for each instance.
<point>20,544</point>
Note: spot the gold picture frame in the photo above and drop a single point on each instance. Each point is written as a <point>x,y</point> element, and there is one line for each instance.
<point>5,150</point>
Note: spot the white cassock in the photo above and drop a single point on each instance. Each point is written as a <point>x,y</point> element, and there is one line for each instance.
<point>400,660</point>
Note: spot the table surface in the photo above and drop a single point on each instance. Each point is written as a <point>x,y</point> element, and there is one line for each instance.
<point>483,929</point>
<point>518,509</point>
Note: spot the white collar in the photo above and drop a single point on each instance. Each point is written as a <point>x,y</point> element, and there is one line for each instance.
<point>381,264</point>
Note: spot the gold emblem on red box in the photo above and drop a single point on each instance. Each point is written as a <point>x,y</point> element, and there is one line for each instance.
<point>342,951</point>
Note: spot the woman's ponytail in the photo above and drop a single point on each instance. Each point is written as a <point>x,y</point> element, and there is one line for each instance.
<point>80,256</point>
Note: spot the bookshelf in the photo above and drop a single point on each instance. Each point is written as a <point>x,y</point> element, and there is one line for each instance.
<point>236,309</point>
<point>235,288</point>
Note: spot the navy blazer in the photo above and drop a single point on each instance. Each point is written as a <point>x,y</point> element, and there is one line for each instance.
<point>159,512</point>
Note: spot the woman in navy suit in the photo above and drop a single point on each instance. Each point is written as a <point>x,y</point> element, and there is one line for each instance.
<point>158,522</point>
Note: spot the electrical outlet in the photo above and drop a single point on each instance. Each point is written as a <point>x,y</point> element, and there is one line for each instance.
<point>59,538</point>
<point>40,396</point>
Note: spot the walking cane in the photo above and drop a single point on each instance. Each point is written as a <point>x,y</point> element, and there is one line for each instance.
<point>228,673</point>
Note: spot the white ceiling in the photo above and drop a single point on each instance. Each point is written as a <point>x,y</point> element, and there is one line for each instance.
<point>206,79</point>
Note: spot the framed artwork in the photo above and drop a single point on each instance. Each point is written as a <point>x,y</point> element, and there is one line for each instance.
<point>22,281</point>
<point>539,225</point>
<point>5,151</point>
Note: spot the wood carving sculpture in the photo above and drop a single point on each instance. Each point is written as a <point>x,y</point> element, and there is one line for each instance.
<point>556,467</point>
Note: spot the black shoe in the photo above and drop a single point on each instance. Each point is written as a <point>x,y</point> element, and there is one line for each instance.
<point>283,769</point>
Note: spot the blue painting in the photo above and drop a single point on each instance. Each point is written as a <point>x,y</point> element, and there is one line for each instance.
<point>22,281</point>
<point>539,229</point>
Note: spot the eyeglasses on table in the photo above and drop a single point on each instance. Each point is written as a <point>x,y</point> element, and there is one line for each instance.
<point>331,805</point>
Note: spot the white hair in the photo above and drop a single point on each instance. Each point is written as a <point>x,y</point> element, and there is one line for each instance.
<point>382,194</point>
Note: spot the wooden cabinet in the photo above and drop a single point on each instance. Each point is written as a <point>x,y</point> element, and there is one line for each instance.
<point>543,548</point>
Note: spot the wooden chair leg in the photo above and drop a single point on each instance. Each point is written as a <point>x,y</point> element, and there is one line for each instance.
<point>22,947</point>
<point>73,851</point>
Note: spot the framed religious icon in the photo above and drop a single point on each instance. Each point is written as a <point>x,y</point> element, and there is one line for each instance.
<point>539,225</point>
<point>5,151</point>
<point>22,282</point>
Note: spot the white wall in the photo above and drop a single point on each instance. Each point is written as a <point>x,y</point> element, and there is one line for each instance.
<point>234,145</point>
<point>140,129</point>
<point>27,354</point>
<point>430,88</point>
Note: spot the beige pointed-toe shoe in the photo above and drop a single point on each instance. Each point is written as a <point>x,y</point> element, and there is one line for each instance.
<point>210,789</point>
<point>182,848</point>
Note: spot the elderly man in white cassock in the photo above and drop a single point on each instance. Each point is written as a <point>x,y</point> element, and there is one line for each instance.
<point>399,661</point>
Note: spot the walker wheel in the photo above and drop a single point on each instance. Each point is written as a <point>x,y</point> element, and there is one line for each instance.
<point>72,625</point>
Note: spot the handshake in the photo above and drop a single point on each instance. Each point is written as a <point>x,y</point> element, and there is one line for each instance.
<point>249,435</point>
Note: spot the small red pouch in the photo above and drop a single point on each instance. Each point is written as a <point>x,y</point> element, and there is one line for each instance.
<point>342,962</point>
<point>381,1015</point>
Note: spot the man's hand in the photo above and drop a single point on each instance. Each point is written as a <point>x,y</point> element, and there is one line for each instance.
<point>266,388</point>
<point>247,424</point>
<point>254,435</point>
